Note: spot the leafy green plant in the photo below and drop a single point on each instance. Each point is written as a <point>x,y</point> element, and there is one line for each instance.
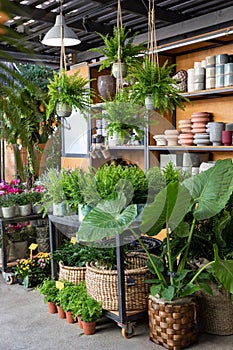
<point>128,51</point>
<point>91,309</point>
<point>7,200</point>
<point>201,196</point>
<point>71,186</point>
<point>69,89</point>
<point>24,198</point>
<point>49,290</point>
<point>72,254</point>
<point>124,117</point>
<point>54,192</point>
<point>155,81</point>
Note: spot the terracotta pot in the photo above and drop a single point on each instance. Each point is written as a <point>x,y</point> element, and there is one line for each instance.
<point>80,323</point>
<point>61,312</point>
<point>69,317</point>
<point>89,327</point>
<point>52,307</point>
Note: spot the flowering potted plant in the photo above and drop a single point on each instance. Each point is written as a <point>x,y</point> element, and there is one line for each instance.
<point>33,271</point>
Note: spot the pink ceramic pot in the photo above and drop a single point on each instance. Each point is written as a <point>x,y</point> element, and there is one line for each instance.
<point>227,137</point>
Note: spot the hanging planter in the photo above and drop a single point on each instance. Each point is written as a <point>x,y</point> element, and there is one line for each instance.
<point>63,110</point>
<point>119,70</point>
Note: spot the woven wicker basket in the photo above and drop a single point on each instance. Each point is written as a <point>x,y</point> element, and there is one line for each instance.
<point>215,311</point>
<point>103,285</point>
<point>71,273</point>
<point>172,324</point>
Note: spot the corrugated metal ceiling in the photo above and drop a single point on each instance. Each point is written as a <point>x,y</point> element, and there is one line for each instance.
<point>175,21</point>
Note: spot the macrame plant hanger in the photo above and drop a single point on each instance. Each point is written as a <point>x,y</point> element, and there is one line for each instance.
<point>62,54</point>
<point>152,40</point>
<point>119,81</point>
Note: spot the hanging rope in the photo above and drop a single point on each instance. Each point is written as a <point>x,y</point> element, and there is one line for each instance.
<point>152,39</point>
<point>119,82</point>
<point>63,54</point>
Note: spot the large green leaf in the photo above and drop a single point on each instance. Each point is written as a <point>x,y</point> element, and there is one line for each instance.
<point>107,219</point>
<point>168,209</point>
<point>223,270</point>
<point>211,189</point>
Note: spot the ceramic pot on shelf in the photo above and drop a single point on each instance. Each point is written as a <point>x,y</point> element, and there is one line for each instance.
<point>106,85</point>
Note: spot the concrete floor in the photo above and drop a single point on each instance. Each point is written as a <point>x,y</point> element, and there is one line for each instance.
<point>25,324</point>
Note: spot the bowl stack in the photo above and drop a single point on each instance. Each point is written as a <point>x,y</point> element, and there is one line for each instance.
<point>199,122</point>
<point>186,137</point>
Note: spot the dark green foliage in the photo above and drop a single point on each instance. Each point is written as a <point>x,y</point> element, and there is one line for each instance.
<point>128,51</point>
<point>157,81</point>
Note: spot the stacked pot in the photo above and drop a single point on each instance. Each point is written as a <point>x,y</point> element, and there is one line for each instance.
<point>199,121</point>
<point>186,135</point>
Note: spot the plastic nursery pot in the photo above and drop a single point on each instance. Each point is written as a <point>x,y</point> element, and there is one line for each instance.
<point>69,317</point>
<point>61,312</point>
<point>89,327</point>
<point>52,307</point>
<point>80,323</point>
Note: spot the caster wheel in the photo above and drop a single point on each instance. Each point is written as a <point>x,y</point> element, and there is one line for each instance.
<point>10,279</point>
<point>126,334</point>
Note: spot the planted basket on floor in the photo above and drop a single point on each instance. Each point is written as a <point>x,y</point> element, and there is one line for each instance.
<point>103,284</point>
<point>215,311</point>
<point>172,324</point>
<point>71,273</point>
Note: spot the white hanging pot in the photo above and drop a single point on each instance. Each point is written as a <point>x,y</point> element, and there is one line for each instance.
<point>63,110</point>
<point>116,70</point>
<point>149,103</point>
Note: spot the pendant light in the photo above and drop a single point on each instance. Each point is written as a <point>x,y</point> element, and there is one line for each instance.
<point>60,32</point>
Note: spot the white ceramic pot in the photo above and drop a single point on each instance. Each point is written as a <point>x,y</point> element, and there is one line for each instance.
<point>8,212</point>
<point>25,210</point>
<point>116,70</point>
<point>60,209</point>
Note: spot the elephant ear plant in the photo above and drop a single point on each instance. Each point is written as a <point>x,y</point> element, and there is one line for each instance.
<point>199,197</point>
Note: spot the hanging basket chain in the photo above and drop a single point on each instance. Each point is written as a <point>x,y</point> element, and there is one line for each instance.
<point>63,54</point>
<point>152,39</point>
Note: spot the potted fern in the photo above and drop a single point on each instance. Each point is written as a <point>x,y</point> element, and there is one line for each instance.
<point>155,83</point>
<point>67,92</point>
<point>126,54</point>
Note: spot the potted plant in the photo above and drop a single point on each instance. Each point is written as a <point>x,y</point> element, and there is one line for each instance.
<point>91,310</point>
<point>67,92</point>
<point>8,202</point>
<point>126,54</point>
<point>123,119</point>
<point>200,196</point>
<point>24,202</point>
<point>50,291</point>
<point>54,195</point>
<point>67,296</point>
<point>155,82</point>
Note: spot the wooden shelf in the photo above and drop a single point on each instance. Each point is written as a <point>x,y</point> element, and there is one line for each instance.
<point>192,148</point>
<point>211,93</point>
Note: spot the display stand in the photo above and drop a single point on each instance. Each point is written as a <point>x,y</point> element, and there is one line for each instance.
<point>6,274</point>
<point>126,320</point>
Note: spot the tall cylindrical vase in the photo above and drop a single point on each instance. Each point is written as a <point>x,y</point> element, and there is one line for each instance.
<point>215,129</point>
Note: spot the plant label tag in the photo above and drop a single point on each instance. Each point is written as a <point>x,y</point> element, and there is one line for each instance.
<point>33,246</point>
<point>59,285</point>
<point>73,240</point>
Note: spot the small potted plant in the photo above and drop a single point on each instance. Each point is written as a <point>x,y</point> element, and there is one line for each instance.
<point>127,52</point>
<point>91,310</point>
<point>24,202</point>
<point>50,291</point>
<point>67,92</point>
<point>54,196</point>
<point>8,202</point>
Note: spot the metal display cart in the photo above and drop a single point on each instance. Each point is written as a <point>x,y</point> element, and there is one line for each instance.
<point>126,320</point>
<point>5,267</point>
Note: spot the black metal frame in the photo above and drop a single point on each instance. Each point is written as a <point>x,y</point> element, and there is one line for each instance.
<point>122,319</point>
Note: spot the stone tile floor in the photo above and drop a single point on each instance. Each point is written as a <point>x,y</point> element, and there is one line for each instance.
<point>25,324</point>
